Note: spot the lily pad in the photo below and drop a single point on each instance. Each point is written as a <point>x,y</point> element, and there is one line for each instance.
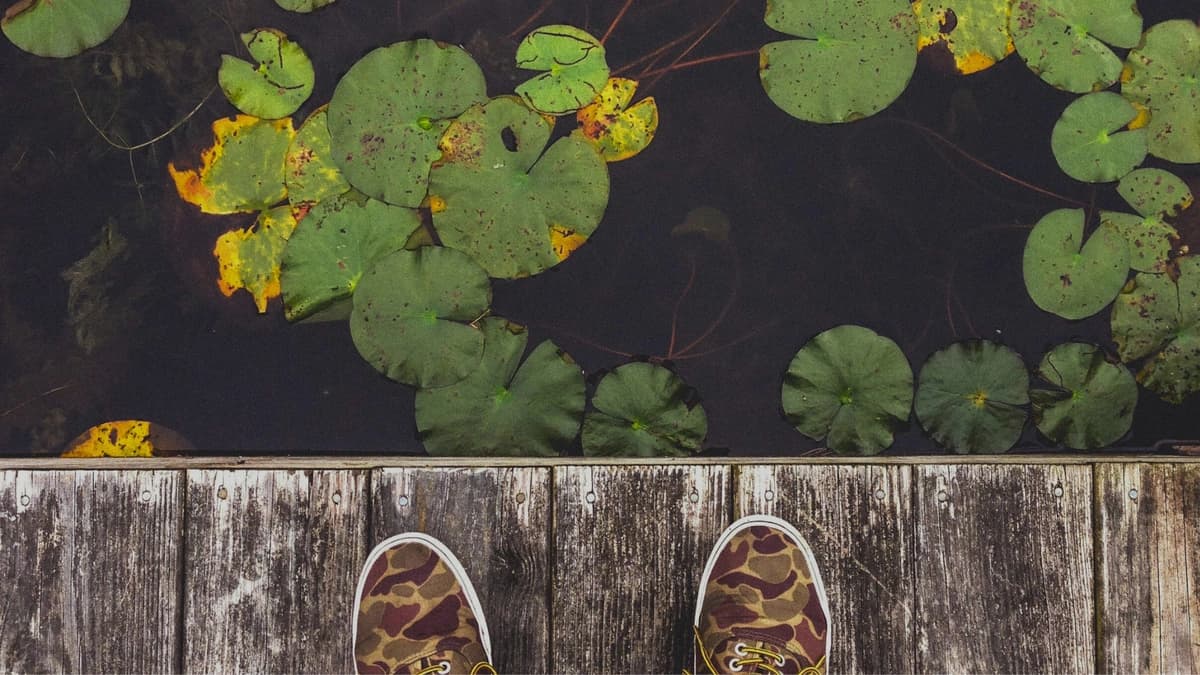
<point>1068,277</point>
<point>851,384</point>
<point>975,32</point>
<point>643,410</point>
<point>62,28</point>
<point>243,169</point>
<point>1163,75</point>
<point>617,130</point>
<point>274,87</point>
<point>127,438</point>
<point>1148,238</point>
<point>389,111</point>
<point>1064,41</point>
<point>303,6</point>
<point>970,397</point>
<point>1158,318</point>
<point>573,69</point>
<point>505,201</point>
<point>311,174</point>
<point>1156,195</point>
<point>333,246</point>
<point>1084,144</point>
<point>500,410</point>
<point>249,259</point>
<point>411,316</point>
<point>852,58</point>
<point>1154,192</point>
<point>1089,402</point>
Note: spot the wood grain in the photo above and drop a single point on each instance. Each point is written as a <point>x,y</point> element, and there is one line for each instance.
<point>1149,568</point>
<point>89,571</point>
<point>1004,569</point>
<point>858,522</point>
<point>272,561</point>
<point>496,521</point>
<point>630,545</point>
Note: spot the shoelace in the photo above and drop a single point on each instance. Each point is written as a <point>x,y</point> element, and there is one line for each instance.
<point>443,668</point>
<point>767,659</point>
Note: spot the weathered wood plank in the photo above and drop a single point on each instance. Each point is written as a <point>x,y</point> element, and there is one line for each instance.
<point>89,571</point>
<point>858,521</point>
<point>1149,567</point>
<point>630,546</point>
<point>496,522</point>
<point>1004,569</point>
<point>271,566</point>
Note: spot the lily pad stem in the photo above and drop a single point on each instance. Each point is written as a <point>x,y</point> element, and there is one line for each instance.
<point>516,32</point>
<point>733,293</point>
<point>711,27</point>
<point>696,62</point>
<point>152,141</point>
<point>678,302</point>
<point>653,56</point>
<point>616,20</point>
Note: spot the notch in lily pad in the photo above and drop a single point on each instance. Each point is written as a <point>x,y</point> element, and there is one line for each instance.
<point>572,64</point>
<point>851,58</point>
<point>974,32</point>
<point>413,312</point>
<point>1083,400</point>
<point>643,410</point>
<point>273,87</point>
<point>851,386</point>
<point>506,407</point>
<point>1068,277</point>
<point>617,130</point>
<point>1066,42</point>
<point>1162,75</point>
<point>971,397</point>
<point>1156,195</point>
<point>1088,143</point>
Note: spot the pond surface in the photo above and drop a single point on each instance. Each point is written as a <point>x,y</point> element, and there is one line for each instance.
<point>888,222</point>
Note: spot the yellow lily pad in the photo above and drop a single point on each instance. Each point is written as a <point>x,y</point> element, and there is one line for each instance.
<point>242,171</point>
<point>127,438</point>
<point>618,131</point>
<point>975,32</point>
<point>249,258</point>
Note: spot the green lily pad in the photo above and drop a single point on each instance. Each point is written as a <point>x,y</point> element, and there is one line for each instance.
<point>1084,144</point>
<point>1148,238</point>
<point>573,67</point>
<point>303,6</point>
<point>280,82</point>
<point>970,397</point>
<point>975,32</point>
<point>333,246</point>
<point>1068,277</point>
<point>502,410</point>
<point>242,171</point>
<point>1158,318</point>
<point>510,209</point>
<point>851,384</point>
<point>1089,402</point>
<point>853,58</point>
<point>311,174</point>
<point>62,28</point>
<point>389,111</point>
<point>643,410</point>
<point>1154,192</point>
<point>1163,75</point>
<point>411,316</point>
<point>1063,41</point>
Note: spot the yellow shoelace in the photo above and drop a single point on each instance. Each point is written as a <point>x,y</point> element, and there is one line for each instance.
<point>767,659</point>
<point>482,667</point>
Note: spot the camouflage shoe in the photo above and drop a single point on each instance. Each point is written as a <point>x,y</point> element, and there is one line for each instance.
<point>762,606</point>
<point>416,612</point>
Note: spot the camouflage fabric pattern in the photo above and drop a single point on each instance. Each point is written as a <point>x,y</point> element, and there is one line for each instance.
<point>761,607</point>
<point>414,616</point>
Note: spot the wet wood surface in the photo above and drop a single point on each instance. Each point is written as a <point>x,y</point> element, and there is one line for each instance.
<point>594,568</point>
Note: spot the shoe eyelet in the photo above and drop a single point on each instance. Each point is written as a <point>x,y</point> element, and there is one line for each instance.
<point>739,648</point>
<point>780,660</point>
<point>444,669</point>
<point>735,666</point>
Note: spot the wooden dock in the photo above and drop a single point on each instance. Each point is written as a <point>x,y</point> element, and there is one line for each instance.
<point>1056,565</point>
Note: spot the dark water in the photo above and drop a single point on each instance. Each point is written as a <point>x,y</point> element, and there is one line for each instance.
<point>871,223</point>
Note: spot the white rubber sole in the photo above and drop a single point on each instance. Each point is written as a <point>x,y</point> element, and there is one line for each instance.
<point>450,561</point>
<point>788,529</point>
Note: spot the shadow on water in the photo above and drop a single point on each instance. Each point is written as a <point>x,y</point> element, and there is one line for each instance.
<point>877,223</point>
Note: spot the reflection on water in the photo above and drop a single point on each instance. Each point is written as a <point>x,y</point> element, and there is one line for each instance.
<point>109,307</point>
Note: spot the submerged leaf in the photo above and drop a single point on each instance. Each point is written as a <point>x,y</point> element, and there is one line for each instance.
<point>971,397</point>
<point>1089,403</point>
<point>643,410</point>
<point>411,316</point>
<point>243,169</point>
<point>1068,277</point>
<point>1162,74</point>
<point>573,69</point>
<point>280,82</point>
<point>706,221</point>
<point>62,28</point>
<point>303,6</point>
<point>1158,317</point>
<point>851,384</point>
<point>853,58</point>
<point>389,111</point>
<point>249,259</point>
<point>500,409</point>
